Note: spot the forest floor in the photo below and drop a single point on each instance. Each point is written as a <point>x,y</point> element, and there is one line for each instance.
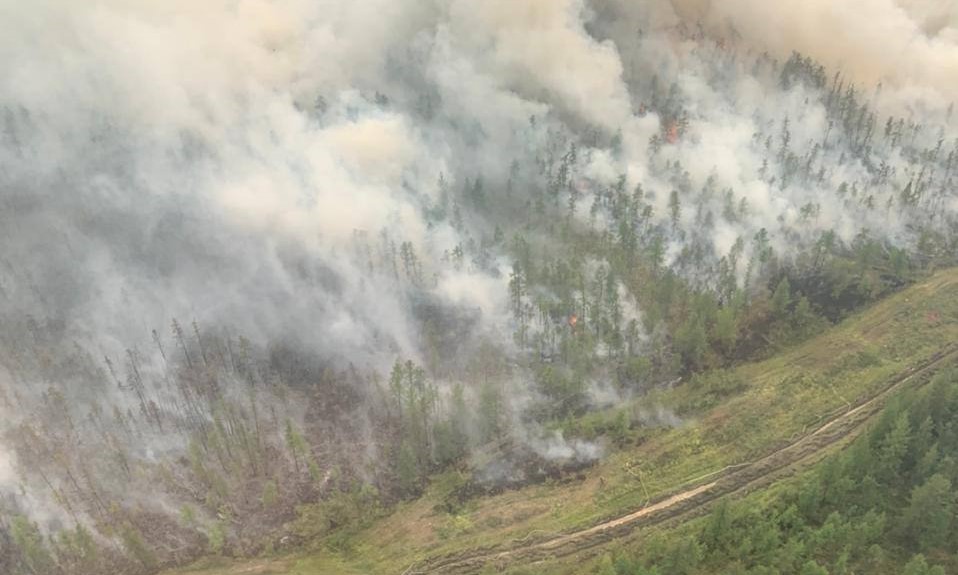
<point>742,429</point>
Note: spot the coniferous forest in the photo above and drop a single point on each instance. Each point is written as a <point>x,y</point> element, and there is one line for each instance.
<point>275,272</point>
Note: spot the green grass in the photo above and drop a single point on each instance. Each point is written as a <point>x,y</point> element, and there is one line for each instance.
<point>750,410</point>
<point>318,563</point>
<point>590,563</point>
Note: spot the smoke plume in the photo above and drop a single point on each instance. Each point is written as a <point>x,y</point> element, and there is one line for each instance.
<point>345,178</point>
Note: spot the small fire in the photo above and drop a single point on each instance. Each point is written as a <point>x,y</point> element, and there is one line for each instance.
<point>573,319</point>
<point>672,134</point>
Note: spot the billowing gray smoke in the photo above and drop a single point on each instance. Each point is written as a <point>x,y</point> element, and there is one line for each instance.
<point>910,44</point>
<point>275,168</point>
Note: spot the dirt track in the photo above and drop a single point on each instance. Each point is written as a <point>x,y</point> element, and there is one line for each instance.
<point>689,502</point>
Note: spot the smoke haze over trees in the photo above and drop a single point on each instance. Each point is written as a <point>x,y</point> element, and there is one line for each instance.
<point>256,254</point>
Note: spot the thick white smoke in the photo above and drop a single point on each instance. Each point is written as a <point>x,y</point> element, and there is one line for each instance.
<point>276,168</point>
<point>910,44</point>
<point>7,474</point>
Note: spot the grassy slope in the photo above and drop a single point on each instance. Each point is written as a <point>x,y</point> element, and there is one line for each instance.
<point>784,395</point>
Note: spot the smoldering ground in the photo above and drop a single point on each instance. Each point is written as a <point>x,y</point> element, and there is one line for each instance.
<point>292,171</point>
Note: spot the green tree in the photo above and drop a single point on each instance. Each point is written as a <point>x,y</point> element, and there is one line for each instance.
<point>691,342</point>
<point>781,298</point>
<point>136,547</point>
<point>682,558</point>
<point>606,567</point>
<point>296,444</point>
<point>675,208</point>
<point>407,471</point>
<point>216,537</point>
<point>490,412</point>
<point>893,447</point>
<point>725,330</point>
<point>29,540</point>
<point>927,519</point>
<point>718,531</point>
<point>188,515</point>
<point>270,493</point>
<point>919,566</point>
<point>813,568</point>
<point>452,439</point>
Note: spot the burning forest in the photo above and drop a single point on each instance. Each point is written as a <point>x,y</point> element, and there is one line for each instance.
<point>269,267</point>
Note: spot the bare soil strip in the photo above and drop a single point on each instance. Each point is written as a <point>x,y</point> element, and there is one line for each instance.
<point>738,479</point>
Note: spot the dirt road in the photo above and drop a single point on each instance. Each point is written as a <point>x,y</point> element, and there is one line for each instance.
<point>688,502</point>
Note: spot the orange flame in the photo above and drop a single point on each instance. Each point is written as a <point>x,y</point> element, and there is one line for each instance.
<point>672,135</point>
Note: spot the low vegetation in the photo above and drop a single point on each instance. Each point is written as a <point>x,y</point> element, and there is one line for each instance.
<point>773,402</point>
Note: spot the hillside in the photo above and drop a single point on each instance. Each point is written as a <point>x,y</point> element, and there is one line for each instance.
<point>808,399</point>
<point>398,286</point>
